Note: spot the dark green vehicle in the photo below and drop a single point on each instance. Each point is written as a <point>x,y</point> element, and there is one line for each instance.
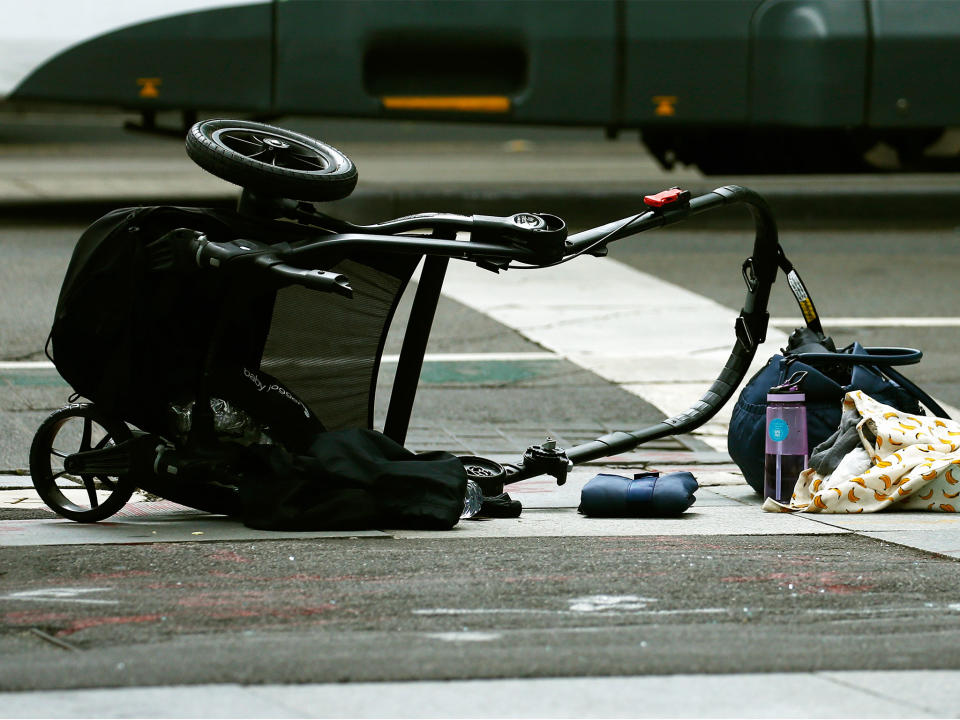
<point>730,85</point>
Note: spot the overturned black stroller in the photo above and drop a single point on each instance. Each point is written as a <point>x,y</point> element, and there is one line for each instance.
<point>194,332</point>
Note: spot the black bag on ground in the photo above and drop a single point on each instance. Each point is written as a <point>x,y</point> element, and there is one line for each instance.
<point>351,480</point>
<point>831,374</point>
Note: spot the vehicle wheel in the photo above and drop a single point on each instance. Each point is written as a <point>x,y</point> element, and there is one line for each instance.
<point>84,498</point>
<point>270,160</point>
<point>736,152</point>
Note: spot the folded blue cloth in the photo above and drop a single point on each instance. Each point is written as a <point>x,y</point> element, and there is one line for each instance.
<point>647,494</point>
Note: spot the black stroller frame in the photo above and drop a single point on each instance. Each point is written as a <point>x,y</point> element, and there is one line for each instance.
<point>302,241</point>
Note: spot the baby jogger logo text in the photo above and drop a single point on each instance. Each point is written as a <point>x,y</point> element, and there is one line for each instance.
<point>273,387</point>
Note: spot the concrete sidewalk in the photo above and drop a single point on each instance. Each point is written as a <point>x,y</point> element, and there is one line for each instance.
<point>768,695</point>
<point>725,505</point>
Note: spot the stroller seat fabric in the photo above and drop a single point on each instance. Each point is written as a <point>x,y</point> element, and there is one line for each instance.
<point>133,327</point>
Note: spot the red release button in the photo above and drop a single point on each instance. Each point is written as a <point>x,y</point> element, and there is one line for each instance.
<point>665,197</point>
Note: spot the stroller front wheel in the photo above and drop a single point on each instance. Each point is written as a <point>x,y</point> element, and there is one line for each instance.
<point>271,161</point>
<point>84,497</point>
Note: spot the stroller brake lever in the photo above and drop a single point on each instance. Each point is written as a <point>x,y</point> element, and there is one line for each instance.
<point>250,256</point>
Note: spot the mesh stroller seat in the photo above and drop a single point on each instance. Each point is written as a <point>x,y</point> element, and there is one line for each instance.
<point>133,329</point>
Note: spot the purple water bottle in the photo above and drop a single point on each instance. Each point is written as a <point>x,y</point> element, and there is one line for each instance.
<point>786,446</point>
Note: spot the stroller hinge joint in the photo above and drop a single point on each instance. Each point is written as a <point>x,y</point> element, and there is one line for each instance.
<point>547,459</point>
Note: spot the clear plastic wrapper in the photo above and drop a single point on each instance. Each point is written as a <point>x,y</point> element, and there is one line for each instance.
<point>229,422</point>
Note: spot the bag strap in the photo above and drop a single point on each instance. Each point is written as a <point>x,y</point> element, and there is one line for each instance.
<point>881,359</point>
<point>919,394</point>
<point>799,290</point>
<point>885,356</point>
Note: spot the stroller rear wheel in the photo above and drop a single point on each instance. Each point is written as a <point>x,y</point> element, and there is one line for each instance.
<point>84,498</point>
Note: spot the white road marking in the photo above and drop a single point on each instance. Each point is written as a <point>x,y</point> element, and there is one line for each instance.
<point>15,365</point>
<point>465,636</point>
<point>534,611</point>
<point>62,594</point>
<point>480,357</point>
<point>864,322</point>
<point>655,339</point>
<point>604,603</point>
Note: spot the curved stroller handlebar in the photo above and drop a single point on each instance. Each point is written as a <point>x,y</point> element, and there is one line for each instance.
<point>540,241</point>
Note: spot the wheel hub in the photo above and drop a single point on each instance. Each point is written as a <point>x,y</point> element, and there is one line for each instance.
<point>277,144</point>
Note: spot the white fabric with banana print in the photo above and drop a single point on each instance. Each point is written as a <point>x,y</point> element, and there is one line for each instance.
<point>907,462</point>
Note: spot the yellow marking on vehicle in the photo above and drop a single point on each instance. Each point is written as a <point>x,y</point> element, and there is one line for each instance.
<point>149,87</point>
<point>448,103</point>
<point>665,105</point>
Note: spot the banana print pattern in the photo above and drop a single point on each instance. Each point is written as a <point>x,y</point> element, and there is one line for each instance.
<point>911,468</point>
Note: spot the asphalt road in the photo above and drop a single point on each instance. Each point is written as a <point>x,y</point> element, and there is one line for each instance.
<point>370,609</point>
